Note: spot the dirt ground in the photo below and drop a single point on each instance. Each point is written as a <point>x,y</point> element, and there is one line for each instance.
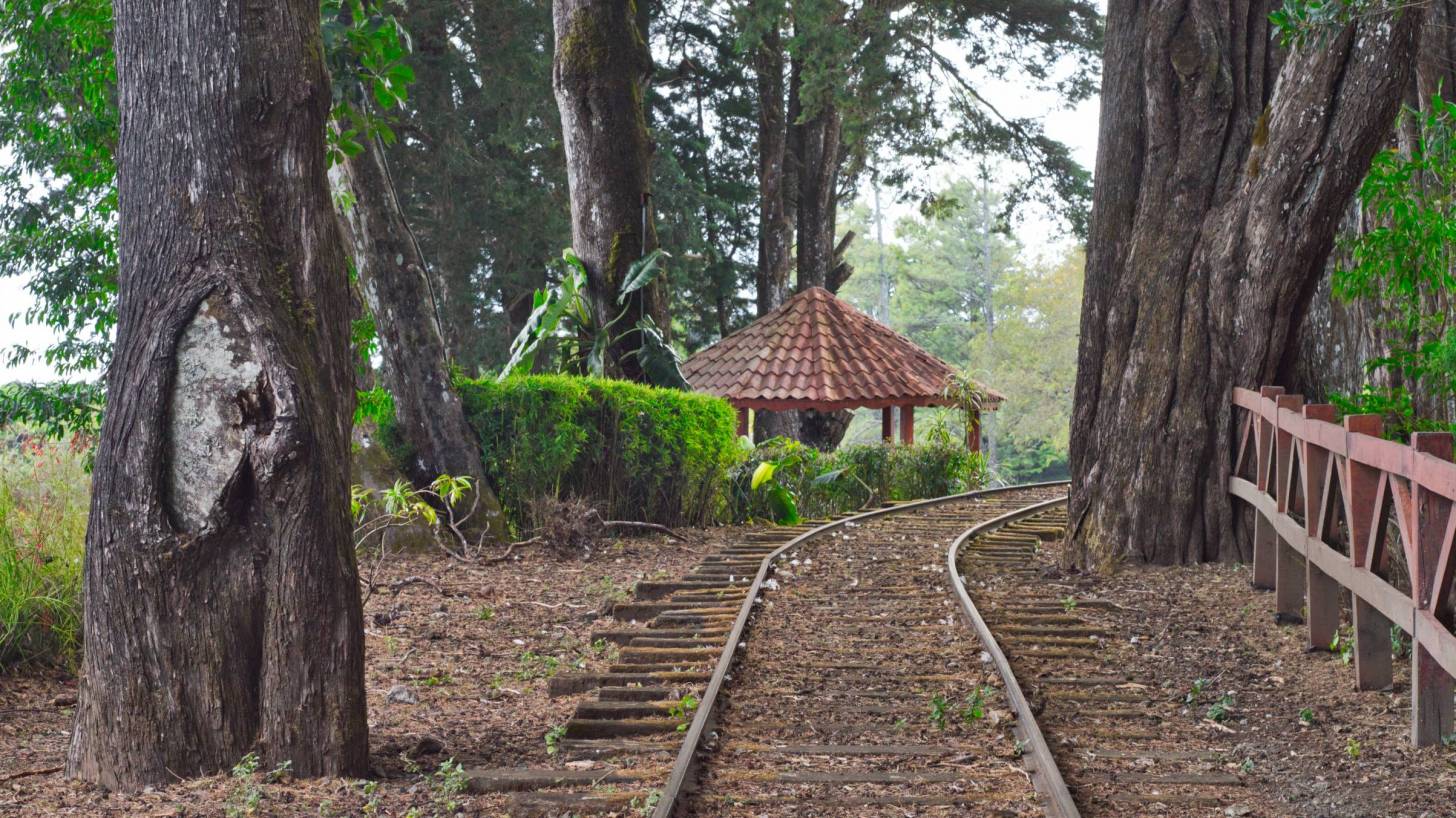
<point>466,650</point>
<point>473,645</point>
<point>1302,740</point>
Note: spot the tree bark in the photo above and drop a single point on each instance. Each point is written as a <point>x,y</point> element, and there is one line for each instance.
<point>599,76</point>
<point>775,229</point>
<point>1218,196</point>
<point>396,283</point>
<point>1338,336</point>
<point>818,162</point>
<point>221,595</point>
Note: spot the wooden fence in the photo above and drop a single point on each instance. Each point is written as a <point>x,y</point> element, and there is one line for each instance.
<point>1325,494</point>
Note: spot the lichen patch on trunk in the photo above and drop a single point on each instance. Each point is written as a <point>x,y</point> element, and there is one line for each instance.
<point>218,404</point>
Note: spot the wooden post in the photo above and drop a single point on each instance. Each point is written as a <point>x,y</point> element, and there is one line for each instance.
<point>1374,665</point>
<point>887,423</point>
<point>1289,570</point>
<point>1265,540</point>
<point>1324,590</point>
<point>907,425</point>
<point>1432,714</point>
<point>973,432</point>
<point>743,425</point>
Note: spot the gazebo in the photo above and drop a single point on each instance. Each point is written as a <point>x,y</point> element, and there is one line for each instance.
<point>817,352</point>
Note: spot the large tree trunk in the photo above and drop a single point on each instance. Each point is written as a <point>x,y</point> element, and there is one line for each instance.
<point>1218,194</point>
<point>1338,336</point>
<point>818,162</point>
<point>774,227</point>
<point>396,283</point>
<point>599,76</point>
<point>221,594</point>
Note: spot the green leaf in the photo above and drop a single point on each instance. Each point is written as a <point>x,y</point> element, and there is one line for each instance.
<point>659,360</point>
<point>786,511</point>
<point>762,474</point>
<point>641,273</point>
<point>830,476</point>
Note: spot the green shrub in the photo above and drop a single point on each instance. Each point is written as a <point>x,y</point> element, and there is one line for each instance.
<point>632,451</point>
<point>854,477</point>
<point>44,495</point>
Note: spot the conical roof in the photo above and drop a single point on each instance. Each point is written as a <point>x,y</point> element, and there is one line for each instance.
<point>817,352</point>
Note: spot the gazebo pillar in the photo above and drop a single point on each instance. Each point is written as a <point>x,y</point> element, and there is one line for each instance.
<point>907,425</point>
<point>973,432</point>
<point>743,420</point>
<point>887,423</point>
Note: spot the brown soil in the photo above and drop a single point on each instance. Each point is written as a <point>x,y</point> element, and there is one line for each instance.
<point>1139,734</point>
<point>474,643</point>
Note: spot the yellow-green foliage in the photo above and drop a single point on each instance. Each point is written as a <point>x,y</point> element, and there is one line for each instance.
<point>853,477</point>
<point>632,451</point>
<point>44,495</point>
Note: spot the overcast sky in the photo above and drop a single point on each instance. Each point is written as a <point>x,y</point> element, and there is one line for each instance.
<point>1076,127</point>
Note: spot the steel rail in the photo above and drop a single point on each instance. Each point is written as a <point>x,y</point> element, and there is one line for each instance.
<point>1045,775</point>
<point>683,766</point>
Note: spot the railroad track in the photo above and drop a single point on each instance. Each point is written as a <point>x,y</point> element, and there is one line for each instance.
<point>853,687</point>
<point>1125,742</point>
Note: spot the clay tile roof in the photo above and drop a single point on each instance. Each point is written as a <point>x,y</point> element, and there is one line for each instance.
<point>817,352</point>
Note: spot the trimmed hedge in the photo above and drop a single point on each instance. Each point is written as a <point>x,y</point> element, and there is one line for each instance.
<point>855,477</point>
<point>634,452</point>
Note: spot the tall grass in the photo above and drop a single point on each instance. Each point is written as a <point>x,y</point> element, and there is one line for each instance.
<point>44,494</point>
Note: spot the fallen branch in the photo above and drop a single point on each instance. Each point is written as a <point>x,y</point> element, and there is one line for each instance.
<point>512,547</point>
<point>661,529</point>
<point>28,773</point>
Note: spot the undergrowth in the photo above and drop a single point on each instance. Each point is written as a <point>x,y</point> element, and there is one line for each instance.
<point>44,496</point>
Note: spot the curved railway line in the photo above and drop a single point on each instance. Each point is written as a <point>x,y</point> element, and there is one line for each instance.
<point>847,669</point>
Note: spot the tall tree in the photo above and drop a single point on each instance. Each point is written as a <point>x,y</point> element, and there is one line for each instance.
<point>1355,347</point>
<point>1221,177</point>
<point>602,64</point>
<point>221,597</point>
<point>366,55</point>
<point>397,290</point>
<point>478,160</point>
<point>898,79</point>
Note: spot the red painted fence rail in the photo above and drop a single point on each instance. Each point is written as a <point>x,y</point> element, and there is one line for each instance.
<point>1323,493</point>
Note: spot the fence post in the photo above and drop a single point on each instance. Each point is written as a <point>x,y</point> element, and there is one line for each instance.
<point>1432,688</point>
<point>1374,669</point>
<point>1324,590</point>
<point>1289,588</point>
<point>1265,540</point>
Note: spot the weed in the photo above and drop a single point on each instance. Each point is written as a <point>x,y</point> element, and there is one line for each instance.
<point>1196,691</point>
<point>1019,749</point>
<point>1220,710</point>
<point>485,613</point>
<point>370,789</point>
<point>901,723</point>
<point>436,680</point>
<point>553,739</point>
<point>939,707</point>
<point>682,711</point>
<point>975,706</point>
<point>1247,767</point>
<point>1343,644</point>
<point>1399,642</point>
<point>1306,716</point>
<point>446,785</point>
<point>609,589</point>
<point>1352,749</point>
<point>1069,603</point>
<point>246,795</point>
<point>645,806</point>
<point>537,666</point>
